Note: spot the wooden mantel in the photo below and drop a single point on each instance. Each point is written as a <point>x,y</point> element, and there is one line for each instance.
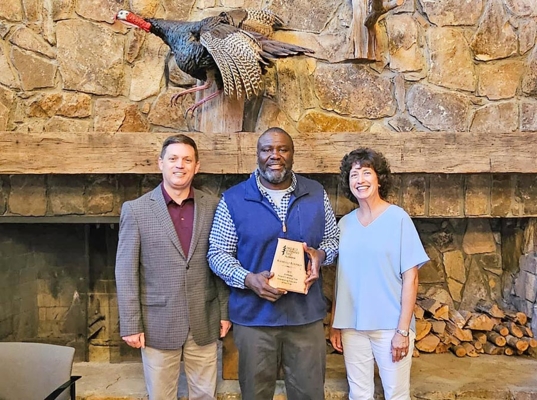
<point>234,153</point>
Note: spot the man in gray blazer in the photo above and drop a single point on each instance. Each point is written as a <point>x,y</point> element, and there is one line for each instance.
<point>170,302</point>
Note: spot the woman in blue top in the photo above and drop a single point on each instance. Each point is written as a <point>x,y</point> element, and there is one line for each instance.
<point>377,281</point>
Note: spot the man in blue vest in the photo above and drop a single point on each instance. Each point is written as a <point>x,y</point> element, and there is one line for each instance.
<point>272,326</point>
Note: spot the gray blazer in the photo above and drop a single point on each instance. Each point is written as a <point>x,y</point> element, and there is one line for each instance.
<point>163,290</point>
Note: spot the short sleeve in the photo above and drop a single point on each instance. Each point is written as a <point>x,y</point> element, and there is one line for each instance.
<point>412,252</point>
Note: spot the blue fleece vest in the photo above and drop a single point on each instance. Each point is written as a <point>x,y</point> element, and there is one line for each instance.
<point>258,228</point>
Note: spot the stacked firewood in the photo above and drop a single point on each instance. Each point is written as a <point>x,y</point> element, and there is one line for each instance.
<point>488,330</point>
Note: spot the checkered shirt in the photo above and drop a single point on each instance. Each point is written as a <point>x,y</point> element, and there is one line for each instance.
<point>223,238</point>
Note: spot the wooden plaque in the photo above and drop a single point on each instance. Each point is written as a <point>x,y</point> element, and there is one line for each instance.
<point>288,267</point>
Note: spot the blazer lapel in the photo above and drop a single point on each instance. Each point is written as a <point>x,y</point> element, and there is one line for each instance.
<point>158,205</point>
<point>199,220</point>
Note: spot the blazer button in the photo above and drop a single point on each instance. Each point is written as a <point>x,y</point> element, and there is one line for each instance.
<point>187,266</point>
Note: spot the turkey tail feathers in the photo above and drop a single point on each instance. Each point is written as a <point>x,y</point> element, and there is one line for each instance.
<point>236,54</point>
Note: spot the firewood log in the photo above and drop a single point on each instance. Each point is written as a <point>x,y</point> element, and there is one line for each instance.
<point>521,318</point>
<point>480,322</point>
<point>452,340</point>
<point>438,327</point>
<point>501,329</point>
<point>464,335</point>
<point>480,336</point>
<point>415,352</point>
<point>442,348</point>
<point>492,310</point>
<point>518,317</point>
<point>423,327</point>
<point>496,339</point>
<point>436,309</point>
<point>428,343</point>
<point>508,351</point>
<point>532,351</point>
<point>527,331</point>
<point>459,350</point>
<point>470,349</point>
<point>442,313</point>
<point>516,343</point>
<point>465,314</point>
<point>457,318</point>
<point>489,348</point>
<point>419,312</point>
<point>477,344</point>
<point>514,329</point>
<point>530,341</point>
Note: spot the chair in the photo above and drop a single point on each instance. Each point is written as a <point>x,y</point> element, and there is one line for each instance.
<point>36,371</point>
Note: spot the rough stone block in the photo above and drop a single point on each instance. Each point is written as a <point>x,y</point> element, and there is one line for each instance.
<point>47,300</point>
<point>528,263</point>
<point>478,237</point>
<point>394,195</point>
<point>432,271</point>
<point>446,195</point>
<point>128,187</point>
<point>455,289</point>
<point>454,266</point>
<point>526,286</point>
<point>101,196</point>
<point>28,195</point>
<point>66,194</point>
<point>56,313</point>
<point>477,195</point>
<point>3,195</point>
<point>502,196</point>
<point>527,192</point>
<point>476,287</point>
<point>413,189</point>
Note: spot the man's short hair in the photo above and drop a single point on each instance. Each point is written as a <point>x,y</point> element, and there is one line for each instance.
<point>276,129</point>
<point>179,138</point>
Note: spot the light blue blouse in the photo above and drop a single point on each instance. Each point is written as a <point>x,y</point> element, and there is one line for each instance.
<point>371,262</point>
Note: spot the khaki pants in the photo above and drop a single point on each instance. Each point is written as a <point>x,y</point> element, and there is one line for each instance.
<point>163,367</point>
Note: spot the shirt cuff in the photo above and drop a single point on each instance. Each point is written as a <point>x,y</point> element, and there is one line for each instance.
<point>239,277</point>
<point>330,255</point>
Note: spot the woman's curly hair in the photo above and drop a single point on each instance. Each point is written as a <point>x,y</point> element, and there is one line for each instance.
<point>368,158</point>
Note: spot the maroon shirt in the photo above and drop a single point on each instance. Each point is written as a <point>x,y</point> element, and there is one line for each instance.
<point>182,217</point>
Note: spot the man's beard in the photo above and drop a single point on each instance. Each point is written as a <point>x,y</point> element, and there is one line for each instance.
<point>274,177</point>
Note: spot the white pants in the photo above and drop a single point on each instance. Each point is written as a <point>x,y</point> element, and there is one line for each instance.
<point>163,367</point>
<point>361,349</point>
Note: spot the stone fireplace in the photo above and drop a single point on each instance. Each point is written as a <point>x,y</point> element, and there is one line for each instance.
<point>58,239</point>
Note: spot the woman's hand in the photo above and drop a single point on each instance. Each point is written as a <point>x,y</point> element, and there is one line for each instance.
<point>335,339</point>
<point>400,347</point>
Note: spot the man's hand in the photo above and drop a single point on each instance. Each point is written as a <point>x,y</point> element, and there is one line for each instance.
<point>259,284</point>
<point>316,258</point>
<point>225,326</point>
<point>137,340</point>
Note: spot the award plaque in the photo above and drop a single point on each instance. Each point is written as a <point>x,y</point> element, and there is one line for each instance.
<point>288,267</point>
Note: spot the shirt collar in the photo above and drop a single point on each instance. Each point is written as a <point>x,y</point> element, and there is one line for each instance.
<point>168,199</point>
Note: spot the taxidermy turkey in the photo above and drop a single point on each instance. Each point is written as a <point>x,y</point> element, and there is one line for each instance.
<point>231,49</point>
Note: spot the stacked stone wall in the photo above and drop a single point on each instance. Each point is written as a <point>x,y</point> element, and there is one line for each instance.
<point>445,65</point>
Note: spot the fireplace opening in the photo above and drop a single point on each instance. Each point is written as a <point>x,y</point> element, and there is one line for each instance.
<point>58,278</point>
